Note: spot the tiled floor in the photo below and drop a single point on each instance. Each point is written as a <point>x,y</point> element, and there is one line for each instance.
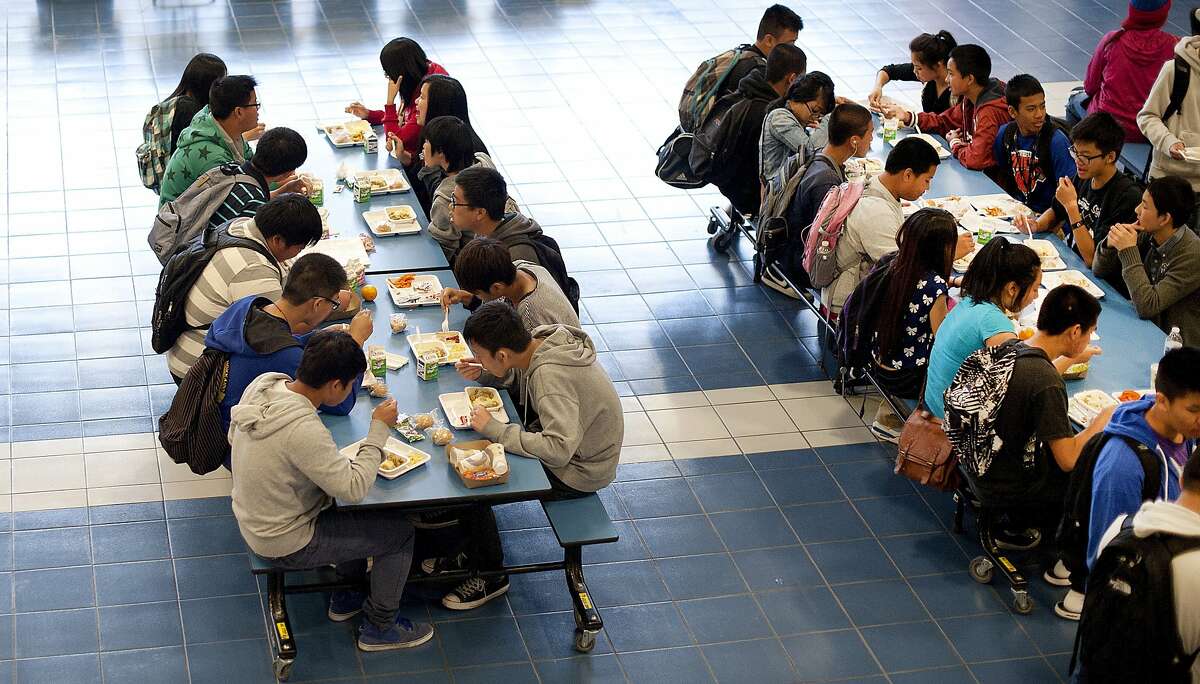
<point>763,538</point>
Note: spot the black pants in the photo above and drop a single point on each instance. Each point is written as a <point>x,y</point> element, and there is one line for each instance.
<point>906,383</point>
<point>484,549</point>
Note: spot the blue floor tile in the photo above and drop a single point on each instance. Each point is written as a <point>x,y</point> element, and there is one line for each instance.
<point>879,603</point>
<point>46,519</point>
<point>725,618</point>
<point>778,460</point>
<point>910,646</point>
<point>628,547</point>
<point>852,561</point>
<point>678,536</point>
<point>699,576</point>
<point>895,515</point>
<point>552,635</point>
<point>716,359</point>
<point>732,491</point>
<point>988,637</point>
<point>925,553</point>
<point>753,529</point>
<point>705,330</point>
<point>713,465</point>
<point>130,542</point>
<point>517,673</point>
<point>205,536</point>
<point>636,628</point>
<point>205,576</point>
<point>598,668</point>
<point>326,655</point>
<point>135,582</point>
<point>54,589</point>
<point>657,498</point>
<point>633,335</point>
<point>1013,671</point>
<point>798,611</point>
<point>56,633</point>
<point>479,642</point>
<point>143,625</point>
<point>231,661</point>
<point>119,513</point>
<point>683,665</point>
<point>150,666</point>
<point>830,655</point>
<point>869,478</point>
<point>822,522</point>
<point>788,566</point>
<point>642,364</point>
<point>762,661</point>
<point>420,659</point>
<point>955,595</point>
<point>615,584</point>
<point>51,548</point>
<point>945,675</point>
<point>802,486</point>
<point>77,669</point>
<point>222,618</point>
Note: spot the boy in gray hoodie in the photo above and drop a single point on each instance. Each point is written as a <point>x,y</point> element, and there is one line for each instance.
<point>479,206</point>
<point>577,436</point>
<point>288,471</point>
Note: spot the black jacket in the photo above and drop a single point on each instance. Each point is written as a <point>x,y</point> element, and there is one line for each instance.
<point>735,163</point>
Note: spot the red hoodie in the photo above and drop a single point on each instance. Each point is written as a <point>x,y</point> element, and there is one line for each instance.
<point>1123,70</point>
<point>405,125</point>
<point>979,120</point>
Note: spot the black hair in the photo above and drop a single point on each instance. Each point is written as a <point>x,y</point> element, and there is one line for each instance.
<point>847,121</point>
<point>495,326</point>
<point>1194,20</point>
<point>926,242</point>
<point>451,137</point>
<point>1179,374</point>
<point>404,60</point>
<point>785,59</point>
<point>280,150</point>
<point>447,97</point>
<point>330,355</point>
<point>972,60</point>
<point>483,262</point>
<point>1102,130</point>
<point>290,216</point>
<point>484,188</point>
<point>1173,195</point>
<point>932,48</point>
<point>911,153</point>
<point>228,93</point>
<point>815,85</point>
<point>198,76</point>
<point>313,275</point>
<point>778,19</point>
<point>1020,86</point>
<point>1066,306</point>
<point>999,263</point>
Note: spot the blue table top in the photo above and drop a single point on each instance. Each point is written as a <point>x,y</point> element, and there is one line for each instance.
<point>394,253</point>
<point>434,483</point>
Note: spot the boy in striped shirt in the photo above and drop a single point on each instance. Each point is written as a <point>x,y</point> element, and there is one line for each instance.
<point>279,153</point>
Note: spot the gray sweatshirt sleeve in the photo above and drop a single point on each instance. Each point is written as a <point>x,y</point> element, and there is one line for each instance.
<point>336,475</point>
<point>1151,299</point>
<point>559,439</point>
<point>1150,119</point>
<point>440,226</point>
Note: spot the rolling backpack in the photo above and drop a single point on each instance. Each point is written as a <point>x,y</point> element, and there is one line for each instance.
<point>191,430</point>
<point>154,152</point>
<point>185,217</point>
<point>774,234</point>
<point>168,320</point>
<point>820,259</point>
<point>550,258</point>
<point>705,83</point>
<point>857,322</point>
<point>1128,630</point>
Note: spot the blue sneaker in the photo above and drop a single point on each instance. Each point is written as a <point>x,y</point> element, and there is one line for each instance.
<point>344,605</point>
<point>403,633</point>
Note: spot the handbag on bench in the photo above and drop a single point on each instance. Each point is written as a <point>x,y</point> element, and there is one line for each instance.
<point>924,454</point>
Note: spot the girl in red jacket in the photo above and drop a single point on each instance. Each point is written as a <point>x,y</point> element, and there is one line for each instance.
<point>404,65</point>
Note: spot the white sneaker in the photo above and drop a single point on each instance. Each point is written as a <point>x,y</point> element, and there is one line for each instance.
<point>1058,576</point>
<point>773,280</point>
<point>1070,607</point>
<point>887,425</point>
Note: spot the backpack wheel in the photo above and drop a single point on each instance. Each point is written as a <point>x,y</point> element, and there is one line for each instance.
<point>282,668</point>
<point>723,239</point>
<point>585,641</point>
<point>713,225</point>
<point>1022,604</point>
<point>981,570</point>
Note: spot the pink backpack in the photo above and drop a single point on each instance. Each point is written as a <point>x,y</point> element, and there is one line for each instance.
<point>819,249</point>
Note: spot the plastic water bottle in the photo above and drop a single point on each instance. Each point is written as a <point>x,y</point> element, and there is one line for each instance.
<point>1174,340</point>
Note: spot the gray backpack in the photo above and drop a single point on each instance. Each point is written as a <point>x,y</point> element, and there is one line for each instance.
<point>185,217</point>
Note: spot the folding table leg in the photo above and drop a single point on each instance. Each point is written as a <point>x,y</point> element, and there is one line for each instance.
<point>281,627</point>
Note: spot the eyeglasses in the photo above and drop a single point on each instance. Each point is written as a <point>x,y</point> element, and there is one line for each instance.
<point>334,304</point>
<point>256,105</point>
<point>464,205</point>
<point>1087,159</point>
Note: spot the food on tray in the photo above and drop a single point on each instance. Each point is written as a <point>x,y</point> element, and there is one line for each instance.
<point>438,349</point>
<point>1129,395</point>
<point>994,212</point>
<point>402,282</point>
<point>1094,400</point>
<point>369,292</point>
<point>378,183</point>
<point>399,323</point>
<point>1042,248</point>
<point>457,350</point>
<point>402,213</point>
<point>448,336</point>
<point>393,461</point>
<point>379,389</point>
<point>441,436</point>
<point>484,397</point>
<point>481,474</point>
<point>1077,369</point>
<point>421,421</point>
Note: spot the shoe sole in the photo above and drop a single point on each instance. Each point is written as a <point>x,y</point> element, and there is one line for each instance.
<point>471,605</point>
<point>372,648</point>
<point>1065,614</point>
<point>781,288</point>
<point>884,434</point>
<point>1056,581</point>
<point>341,617</point>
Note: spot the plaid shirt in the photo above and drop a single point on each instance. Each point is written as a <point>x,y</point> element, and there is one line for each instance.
<point>1156,257</point>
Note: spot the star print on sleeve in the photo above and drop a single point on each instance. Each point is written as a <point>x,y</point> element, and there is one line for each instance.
<point>204,153</point>
<point>171,176</point>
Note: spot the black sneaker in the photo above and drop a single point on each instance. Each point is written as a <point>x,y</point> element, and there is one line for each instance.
<point>475,592</point>
<point>434,520</point>
<point>444,564</point>
<point>1018,540</point>
<point>773,280</point>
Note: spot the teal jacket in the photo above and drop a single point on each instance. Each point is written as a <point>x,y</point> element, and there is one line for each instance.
<point>202,146</point>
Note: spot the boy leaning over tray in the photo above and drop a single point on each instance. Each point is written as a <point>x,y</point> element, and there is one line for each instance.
<point>577,435</point>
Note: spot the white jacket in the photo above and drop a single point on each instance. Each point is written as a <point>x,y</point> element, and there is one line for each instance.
<point>869,233</point>
<point>1164,516</point>
<point>1184,126</point>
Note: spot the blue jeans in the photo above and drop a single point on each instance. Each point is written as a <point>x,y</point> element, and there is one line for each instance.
<point>1077,106</point>
<point>346,539</point>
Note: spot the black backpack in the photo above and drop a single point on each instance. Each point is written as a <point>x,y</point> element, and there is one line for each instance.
<point>1042,148</point>
<point>858,320</point>
<point>191,430</point>
<point>181,272</point>
<point>550,258</point>
<point>1179,88</point>
<point>1128,630</point>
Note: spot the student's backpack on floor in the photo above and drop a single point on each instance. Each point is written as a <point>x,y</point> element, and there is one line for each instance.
<point>550,258</point>
<point>1075,526</point>
<point>857,323</point>
<point>705,83</point>
<point>1179,88</point>
<point>154,152</point>
<point>185,217</point>
<point>774,234</point>
<point>1128,630</point>
<point>674,166</point>
<point>820,250</point>
<point>973,400</point>
<point>704,157</point>
<point>191,430</point>
<point>180,274</point>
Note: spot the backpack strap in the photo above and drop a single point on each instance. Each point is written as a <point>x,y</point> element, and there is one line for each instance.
<point>1179,88</point>
<point>1152,479</point>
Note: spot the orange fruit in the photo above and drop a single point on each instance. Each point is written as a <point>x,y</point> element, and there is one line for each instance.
<point>369,292</point>
<point>1026,333</point>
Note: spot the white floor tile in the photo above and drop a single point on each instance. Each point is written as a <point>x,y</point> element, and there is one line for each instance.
<point>759,418</point>
<point>140,440</point>
<point>676,400</point>
<point>117,468</point>
<point>103,496</point>
<point>838,437</point>
<point>706,448</point>
<point>644,453</point>
<point>629,404</point>
<point>739,395</point>
<point>170,471</point>
<point>196,490</point>
<point>44,501</point>
<point>686,424</point>
<point>5,450</point>
<point>758,444</point>
<point>48,473</point>
<point>820,413</point>
<point>5,478</point>
<point>803,390</point>
<point>5,503</point>
<point>47,447</point>
<point>639,430</point>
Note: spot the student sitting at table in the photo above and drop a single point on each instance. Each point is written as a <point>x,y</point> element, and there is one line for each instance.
<point>264,336</point>
<point>404,65</point>
<point>287,471</point>
<point>439,95</point>
<point>284,226</point>
<point>786,128</point>
<point>929,53</point>
<point>191,95</point>
<point>1100,195</point>
<point>851,128</point>
<point>278,154</point>
<point>219,133</point>
<point>486,271</point>
<point>1123,67</point>
<point>1032,153</point>
<point>970,126</point>
<point>1172,130</point>
<point>1158,258</point>
<point>448,146</point>
<point>1034,446</point>
<point>577,436</point>
<point>871,227</point>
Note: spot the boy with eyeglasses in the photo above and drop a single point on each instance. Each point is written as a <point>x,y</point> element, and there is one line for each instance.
<point>1100,196</point>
